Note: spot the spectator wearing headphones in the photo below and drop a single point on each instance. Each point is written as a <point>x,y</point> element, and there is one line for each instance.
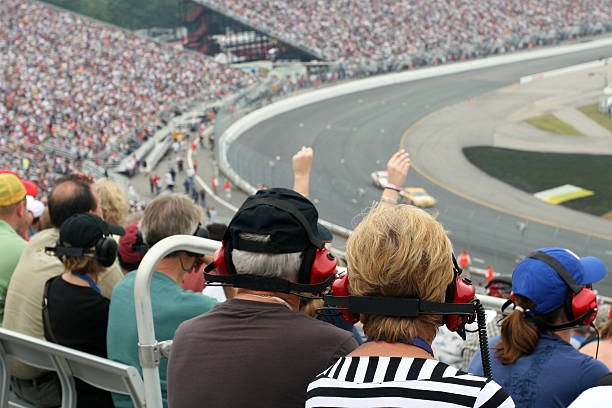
<point>71,195</point>
<point>167,215</point>
<point>400,252</point>
<point>260,350</point>
<point>75,314</point>
<point>534,360</point>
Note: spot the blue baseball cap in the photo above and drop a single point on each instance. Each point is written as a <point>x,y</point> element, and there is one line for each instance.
<point>538,281</point>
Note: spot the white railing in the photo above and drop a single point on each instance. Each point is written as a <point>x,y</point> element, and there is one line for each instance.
<point>149,349</point>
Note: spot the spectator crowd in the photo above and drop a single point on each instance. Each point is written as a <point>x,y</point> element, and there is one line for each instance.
<point>73,89</point>
<point>377,32</point>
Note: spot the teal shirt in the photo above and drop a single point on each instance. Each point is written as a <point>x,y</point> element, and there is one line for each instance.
<point>171,306</point>
<point>12,247</point>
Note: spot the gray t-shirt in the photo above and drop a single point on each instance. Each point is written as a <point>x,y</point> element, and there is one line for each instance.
<point>249,353</point>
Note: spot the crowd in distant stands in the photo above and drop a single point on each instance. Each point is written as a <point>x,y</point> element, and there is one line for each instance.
<point>73,89</point>
<point>362,32</point>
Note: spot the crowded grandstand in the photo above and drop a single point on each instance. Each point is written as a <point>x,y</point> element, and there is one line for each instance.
<point>139,269</point>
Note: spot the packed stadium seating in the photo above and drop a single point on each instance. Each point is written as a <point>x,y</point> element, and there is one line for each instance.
<point>391,34</point>
<point>74,89</point>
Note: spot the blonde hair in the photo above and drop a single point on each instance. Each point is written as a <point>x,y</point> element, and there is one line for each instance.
<point>113,202</point>
<point>400,251</point>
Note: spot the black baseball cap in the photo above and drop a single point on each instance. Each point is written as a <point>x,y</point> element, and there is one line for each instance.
<point>289,218</point>
<point>85,229</point>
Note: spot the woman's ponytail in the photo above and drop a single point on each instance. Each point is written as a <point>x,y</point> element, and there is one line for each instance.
<point>519,336</point>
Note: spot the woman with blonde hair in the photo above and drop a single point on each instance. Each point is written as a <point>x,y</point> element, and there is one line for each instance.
<point>113,202</point>
<point>400,253</point>
<point>75,314</point>
<point>534,360</point>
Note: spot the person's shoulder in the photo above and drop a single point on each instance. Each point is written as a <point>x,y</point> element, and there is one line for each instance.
<point>323,330</point>
<point>125,284</point>
<point>197,299</point>
<point>493,395</point>
<point>46,237</point>
<point>592,366</point>
<point>493,341</point>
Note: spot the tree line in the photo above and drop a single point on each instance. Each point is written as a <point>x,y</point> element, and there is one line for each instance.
<point>130,14</point>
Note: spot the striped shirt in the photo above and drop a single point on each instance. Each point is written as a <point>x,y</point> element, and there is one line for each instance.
<point>402,382</point>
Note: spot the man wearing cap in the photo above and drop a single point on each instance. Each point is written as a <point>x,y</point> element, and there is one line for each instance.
<point>35,211</point>
<point>534,360</point>
<point>23,312</point>
<point>12,219</point>
<point>167,215</point>
<point>131,248</point>
<point>257,349</point>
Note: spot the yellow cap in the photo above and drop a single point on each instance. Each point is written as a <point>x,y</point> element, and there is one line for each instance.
<point>12,189</point>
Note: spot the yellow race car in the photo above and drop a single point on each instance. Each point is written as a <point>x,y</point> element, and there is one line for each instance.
<point>418,196</point>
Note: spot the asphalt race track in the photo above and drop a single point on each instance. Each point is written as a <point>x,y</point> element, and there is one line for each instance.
<point>356,134</point>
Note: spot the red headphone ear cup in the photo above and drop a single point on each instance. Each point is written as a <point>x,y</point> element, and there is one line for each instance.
<point>340,288</point>
<point>583,303</point>
<point>219,261</point>
<point>463,293</point>
<point>512,298</point>
<point>323,267</point>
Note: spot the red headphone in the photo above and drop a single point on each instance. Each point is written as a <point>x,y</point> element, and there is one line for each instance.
<point>322,268</point>
<point>580,304</point>
<point>459,293</point>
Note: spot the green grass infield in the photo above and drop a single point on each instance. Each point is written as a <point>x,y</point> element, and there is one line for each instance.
<point>535,171</point>
<point>592,111</point>
<point>551,123</point>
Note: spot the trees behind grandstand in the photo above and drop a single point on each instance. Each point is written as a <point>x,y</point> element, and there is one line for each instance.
<point>131,14</point>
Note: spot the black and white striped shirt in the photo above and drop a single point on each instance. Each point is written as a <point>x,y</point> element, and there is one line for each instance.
<point>402,382</point>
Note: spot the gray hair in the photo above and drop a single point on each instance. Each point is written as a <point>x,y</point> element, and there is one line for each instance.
<point>169,214</point>
<point>284,266</point>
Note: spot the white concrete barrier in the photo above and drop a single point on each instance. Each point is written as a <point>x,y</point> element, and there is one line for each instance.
<point>562,71</point>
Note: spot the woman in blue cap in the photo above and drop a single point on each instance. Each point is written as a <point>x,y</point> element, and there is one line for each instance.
<point>534,360</point>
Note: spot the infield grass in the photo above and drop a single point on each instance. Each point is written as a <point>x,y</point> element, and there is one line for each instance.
<point>592,111</point>
<point>551,123</point>
<point>535,171</point>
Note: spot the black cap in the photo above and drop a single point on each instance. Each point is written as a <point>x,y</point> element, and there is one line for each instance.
<point>287,216</point>
<point>85,229</point>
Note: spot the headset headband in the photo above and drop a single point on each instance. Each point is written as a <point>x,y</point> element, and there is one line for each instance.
<point>281,205</point>
<point>559,268</point>
<point>69,251</point>
<point>398,307</point>
<point>265,284</point>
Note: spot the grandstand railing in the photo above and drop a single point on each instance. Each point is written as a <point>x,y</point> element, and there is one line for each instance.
<point>68,364</point>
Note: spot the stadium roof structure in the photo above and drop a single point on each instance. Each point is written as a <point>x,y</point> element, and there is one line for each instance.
<point>316,54</point>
